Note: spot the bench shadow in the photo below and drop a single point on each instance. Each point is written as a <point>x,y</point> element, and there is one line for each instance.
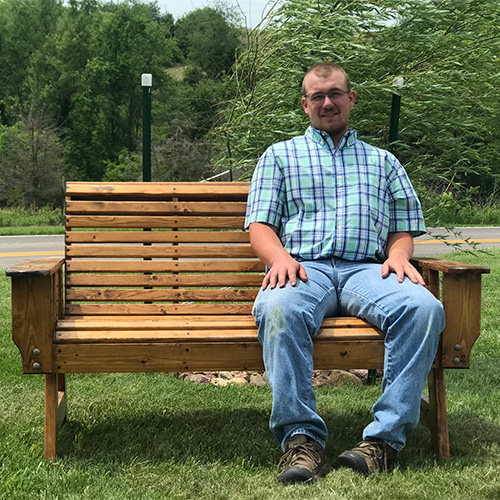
<point>241,435</point>
<point>206,436</point>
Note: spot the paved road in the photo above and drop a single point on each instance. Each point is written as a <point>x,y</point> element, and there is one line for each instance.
<point>15,248</point>
<point>430,246</point>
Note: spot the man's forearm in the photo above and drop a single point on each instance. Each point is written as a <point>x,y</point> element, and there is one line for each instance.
<point>266,243</point>
<point>401,244</point>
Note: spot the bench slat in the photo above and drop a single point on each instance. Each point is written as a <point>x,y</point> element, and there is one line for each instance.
<point>167,236</point>
<point>162,310</point>
<point>164,251</point>
<point>88,323</point>
<point>163,280</point>
<point>164,266</point>
<point>145,323</point>
<point>195,335</point>
<point>210,356</point>
<point>160,295</point>
<point>155,207</point>
<point>159,189</point>
<point>153,221</point>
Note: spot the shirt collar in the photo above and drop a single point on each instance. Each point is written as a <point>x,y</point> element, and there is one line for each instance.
<point>322,137</point>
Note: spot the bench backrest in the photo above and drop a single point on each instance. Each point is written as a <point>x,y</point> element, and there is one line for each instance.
<point>159,248</point>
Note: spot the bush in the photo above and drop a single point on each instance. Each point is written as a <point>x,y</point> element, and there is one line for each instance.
<point>21,217</point>
<point>449,209</point>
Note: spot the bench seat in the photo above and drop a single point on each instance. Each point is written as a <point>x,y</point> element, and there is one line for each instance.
<point>182,343</point>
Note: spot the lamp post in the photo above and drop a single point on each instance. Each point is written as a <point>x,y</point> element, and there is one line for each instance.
<point>147,83</point>
<point>395,110</point>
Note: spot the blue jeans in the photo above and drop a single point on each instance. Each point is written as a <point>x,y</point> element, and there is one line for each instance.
<point>289,318</point>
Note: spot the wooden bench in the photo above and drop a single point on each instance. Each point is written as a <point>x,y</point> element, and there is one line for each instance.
<point>160,277</point>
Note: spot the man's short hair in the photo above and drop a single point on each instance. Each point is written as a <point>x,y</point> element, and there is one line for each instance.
<point>325,69</point>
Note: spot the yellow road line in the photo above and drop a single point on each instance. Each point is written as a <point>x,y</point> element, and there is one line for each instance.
<point>431,242</point>
<point>418,242</point>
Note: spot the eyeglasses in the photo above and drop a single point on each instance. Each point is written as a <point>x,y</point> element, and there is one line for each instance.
<point>318,97</point>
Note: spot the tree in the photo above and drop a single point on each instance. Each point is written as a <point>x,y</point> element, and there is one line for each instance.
<point>26,27</point>
<point>208,40</point>
<point>71,74</point>
<point>31,162</point>
<point>124,40</point>
<point>186,112</point>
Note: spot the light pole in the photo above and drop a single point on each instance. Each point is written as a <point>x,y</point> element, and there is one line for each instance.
<point>147,83</point>
<point>395,110</point>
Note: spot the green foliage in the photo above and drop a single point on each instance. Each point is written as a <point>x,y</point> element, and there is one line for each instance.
<point>128,168</point>
<point>71,75</point>
<point>208,40</point>
<point>447,53</point>
<point>26,28</point>
<point>125,40</point>
<point>31,166</point>
<point>446,209</point>
<point>23,217</point>
<point>189,109</point>
<point>74,68</point>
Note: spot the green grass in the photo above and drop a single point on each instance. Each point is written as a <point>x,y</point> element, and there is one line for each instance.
<point>31,230</point>
<point>21,221</point>
<point>152,436</point>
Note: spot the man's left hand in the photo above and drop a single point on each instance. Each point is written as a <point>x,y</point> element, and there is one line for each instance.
<point>399,251</point>
<point>402,267</point>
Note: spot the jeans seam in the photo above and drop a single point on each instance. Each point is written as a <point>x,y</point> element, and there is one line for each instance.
<point>313,312</point>
<point>374,304</point>
<point>388,350</point>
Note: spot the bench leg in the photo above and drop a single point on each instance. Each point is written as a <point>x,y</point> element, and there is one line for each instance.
<point>55,411</point>
<point>434,414</point>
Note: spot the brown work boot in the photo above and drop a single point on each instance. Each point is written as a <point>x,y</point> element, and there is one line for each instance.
<point>369,456</point>
<point>304,461</point>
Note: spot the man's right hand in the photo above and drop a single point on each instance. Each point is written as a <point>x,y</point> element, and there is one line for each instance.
<point>283,269</point>
<point>282,266</point>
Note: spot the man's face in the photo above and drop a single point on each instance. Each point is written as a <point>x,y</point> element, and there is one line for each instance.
<point>330,115</point>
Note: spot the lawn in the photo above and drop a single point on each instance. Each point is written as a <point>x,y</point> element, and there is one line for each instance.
<point>153,436</point>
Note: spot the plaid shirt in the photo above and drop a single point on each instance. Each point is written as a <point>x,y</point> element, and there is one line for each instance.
<point>329,201</point>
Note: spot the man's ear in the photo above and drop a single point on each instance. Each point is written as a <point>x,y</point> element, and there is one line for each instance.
<point>304,105</point>
<point>352,97</point>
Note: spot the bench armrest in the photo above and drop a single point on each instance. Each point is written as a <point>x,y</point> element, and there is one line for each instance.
<point>37,304</point>
<point>459,288</point>
<point>448,266</point>
<point>36,267</point>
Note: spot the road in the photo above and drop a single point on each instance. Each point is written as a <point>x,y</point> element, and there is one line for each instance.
<point>15,248</point>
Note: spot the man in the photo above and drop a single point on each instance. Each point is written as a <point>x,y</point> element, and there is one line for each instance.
<point>333,219</point>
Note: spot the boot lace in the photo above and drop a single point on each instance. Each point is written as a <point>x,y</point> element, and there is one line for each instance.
<point>298,456</point>
<point>374,452</point>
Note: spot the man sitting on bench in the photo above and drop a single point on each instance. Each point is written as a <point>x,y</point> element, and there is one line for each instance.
<point>334,218</point>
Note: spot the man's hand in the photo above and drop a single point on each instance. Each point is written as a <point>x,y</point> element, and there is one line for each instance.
<point>266,244</point>
<point>284,268</point>
<point>402,267</point>
<point>399,251</point>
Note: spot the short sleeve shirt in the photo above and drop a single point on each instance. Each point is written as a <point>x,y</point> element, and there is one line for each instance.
<point>333,202</point>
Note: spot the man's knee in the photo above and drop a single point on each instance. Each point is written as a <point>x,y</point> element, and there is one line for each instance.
<point>284,302</point>
<point>429,311</point>
<point>282,310</point>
